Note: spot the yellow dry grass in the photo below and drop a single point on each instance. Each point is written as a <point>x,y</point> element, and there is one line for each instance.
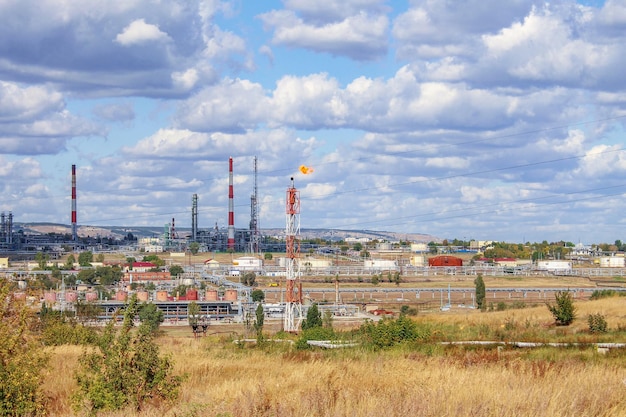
<point>226,380</point>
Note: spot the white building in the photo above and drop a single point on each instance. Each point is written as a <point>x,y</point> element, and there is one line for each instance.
<point>612,262</point>
<point>554,266</point>
<point>248,263</point>
<point>380,264</point>
<point>419,247</point>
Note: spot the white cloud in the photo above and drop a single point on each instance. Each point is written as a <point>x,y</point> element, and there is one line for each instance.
<point>139,32</point>
<point>361,36</point>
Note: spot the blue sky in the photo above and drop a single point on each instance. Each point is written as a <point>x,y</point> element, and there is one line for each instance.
<point>478,119</point>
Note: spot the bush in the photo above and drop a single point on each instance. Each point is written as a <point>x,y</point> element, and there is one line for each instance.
<point>21,360</point>
<point>125,370</point>
<point>597,323</point>
<point>563,311</point>
<point>388,332</point>
<point>257,296</point>
<point>314,333</point>
<point>599,294</point>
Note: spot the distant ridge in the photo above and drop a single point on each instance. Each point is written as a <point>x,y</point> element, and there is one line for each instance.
<point>151,231</point>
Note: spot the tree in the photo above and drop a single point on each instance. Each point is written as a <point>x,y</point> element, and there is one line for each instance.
<point>358,247</point>
<point>313,318</point>
<point>258,296</point>
<point>397,278</point>
<point>249,278</point>
<point>42,260</point>
<point>69,263</point>
<point>194,248</point>
<point>151,316</point>
<point>21,360</point>
<point>268,256</point>
<point>124,370</point>
<point>193,313</point>
<point>176,270</point>
<point>563,311</point>
<point>87,276</point>
<point>258,322</point>
<point>375,279</point>
<point>480,292</point>
<point>85,258</point>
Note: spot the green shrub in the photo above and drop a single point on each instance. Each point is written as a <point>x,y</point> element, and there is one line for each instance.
<point>389,332</point>
<point>125,370</point>
<point>563,311</point>
<point>597,323</point>
<point>599,294</point>
<point>314,333</point>
<point>21,360</point>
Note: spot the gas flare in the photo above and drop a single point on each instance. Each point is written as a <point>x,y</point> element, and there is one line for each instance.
<point>305,169</point>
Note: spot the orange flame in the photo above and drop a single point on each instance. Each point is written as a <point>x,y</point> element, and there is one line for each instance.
<point>305,169</point>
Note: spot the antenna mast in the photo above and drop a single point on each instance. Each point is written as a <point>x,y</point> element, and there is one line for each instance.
<point>293,305</point>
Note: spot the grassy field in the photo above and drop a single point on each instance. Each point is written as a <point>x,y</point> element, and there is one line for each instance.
<point>418,379</point>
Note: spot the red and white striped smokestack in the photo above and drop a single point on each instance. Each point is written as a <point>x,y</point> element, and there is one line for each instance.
<point>231,206</point>
<point>74,231</point>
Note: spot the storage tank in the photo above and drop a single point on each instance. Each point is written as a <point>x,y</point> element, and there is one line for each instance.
<point>91,296</point>
<point>71,296</point>
<point>50,297</point>
<point>211,295</point>
<point>121,296</point>
<point>192,295</point>
<point>161,296</point>
<point>612,262</point>
<point>230,295</point>
<point>142,295</point>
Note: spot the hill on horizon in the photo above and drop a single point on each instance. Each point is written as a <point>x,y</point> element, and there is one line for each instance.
<point>155,231</point>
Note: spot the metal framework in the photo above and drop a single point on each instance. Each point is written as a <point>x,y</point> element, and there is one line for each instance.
<point>293,291</point>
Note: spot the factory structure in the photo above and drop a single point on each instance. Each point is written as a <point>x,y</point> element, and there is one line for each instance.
<point>212,239</point>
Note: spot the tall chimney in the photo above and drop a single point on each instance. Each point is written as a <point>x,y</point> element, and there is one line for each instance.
<point>231,206</point>
<point>74,231</point>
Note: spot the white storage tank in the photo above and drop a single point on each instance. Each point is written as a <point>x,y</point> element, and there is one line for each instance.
<point>612,262</point>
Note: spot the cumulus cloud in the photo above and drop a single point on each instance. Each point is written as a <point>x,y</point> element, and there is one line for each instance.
<point>360,36</point>
<point>139,32</point>
<point>135,47</point>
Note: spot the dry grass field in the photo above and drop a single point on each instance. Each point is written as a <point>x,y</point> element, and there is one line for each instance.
<point>422,379</point>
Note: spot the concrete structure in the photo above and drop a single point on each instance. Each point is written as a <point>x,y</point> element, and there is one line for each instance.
<point>419,247</point>
<point>211,264</point>
<point>380,264</point>
<point>139,277</point>
<point>418,260</point>
<point>139,267</point>
<point>612,262</point>
<point>313,263</point>
<point>554,266</point>
<point>248,263</point>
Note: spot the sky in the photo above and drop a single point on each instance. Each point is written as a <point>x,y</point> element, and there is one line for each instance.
<point>473,119</point>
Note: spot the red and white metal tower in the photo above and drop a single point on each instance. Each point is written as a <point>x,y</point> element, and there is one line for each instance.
<point>231,206</point>
<point>293,291</point>
<point>74,227</point>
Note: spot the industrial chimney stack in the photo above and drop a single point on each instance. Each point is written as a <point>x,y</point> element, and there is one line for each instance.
<point>74,230</point>
<point>231,206</point>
